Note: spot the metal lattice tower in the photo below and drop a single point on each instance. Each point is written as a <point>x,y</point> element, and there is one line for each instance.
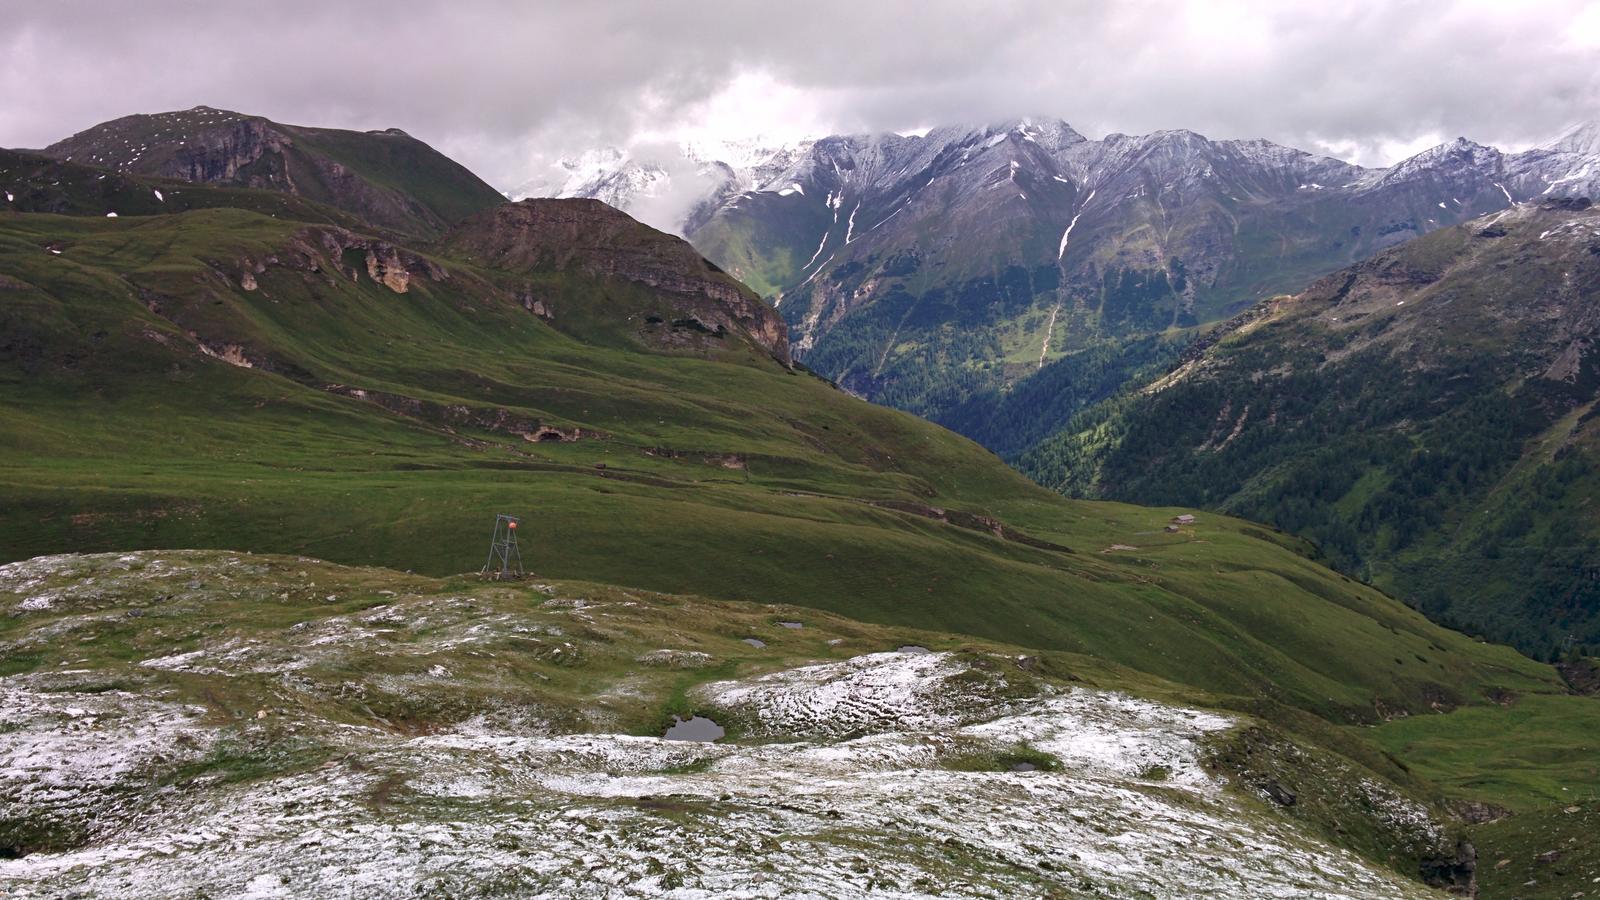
<point>505,560</point>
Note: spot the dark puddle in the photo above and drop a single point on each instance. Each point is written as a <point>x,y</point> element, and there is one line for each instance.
<point>698,728</point>
<point>755,642</point>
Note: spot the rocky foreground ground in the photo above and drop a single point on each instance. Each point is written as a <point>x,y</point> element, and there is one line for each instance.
<point>216,724</point>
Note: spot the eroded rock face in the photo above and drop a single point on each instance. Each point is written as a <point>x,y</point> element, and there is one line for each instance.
<point>226,155</point>
<point>385,266</point>
<point>324,250</point>
<point>596,239</point>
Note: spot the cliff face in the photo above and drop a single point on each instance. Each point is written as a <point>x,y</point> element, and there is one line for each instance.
<point>231,153</point>
<point>590,237</point>
<point>386,178</point>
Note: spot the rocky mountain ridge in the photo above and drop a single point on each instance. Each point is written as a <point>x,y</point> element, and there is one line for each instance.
<point>920,270</point>
<point>622,177</point>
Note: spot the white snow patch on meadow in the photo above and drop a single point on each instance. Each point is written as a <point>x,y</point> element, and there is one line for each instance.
<point>78,755</point>
<point>873,692</point>
<point>852,799</point>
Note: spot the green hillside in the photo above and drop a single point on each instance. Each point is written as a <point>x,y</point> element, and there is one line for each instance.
<point>359,424</point>
<point>1427,418</point>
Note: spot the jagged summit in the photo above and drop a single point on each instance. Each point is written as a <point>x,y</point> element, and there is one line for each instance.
<point>1050,132</point>
<point>1460,156</point>
<point>1032,242</point>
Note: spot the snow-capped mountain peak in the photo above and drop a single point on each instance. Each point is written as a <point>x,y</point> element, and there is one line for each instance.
<point>680,186</point>
<point>1582,138</point>
<point>662,184</point>
<point>1459,155</point>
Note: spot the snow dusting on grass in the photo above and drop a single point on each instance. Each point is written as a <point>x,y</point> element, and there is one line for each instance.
<point>475,811</point>
<point>253,767</point>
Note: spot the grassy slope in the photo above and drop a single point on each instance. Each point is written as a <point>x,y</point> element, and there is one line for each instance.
<point>1536,759</point>
<point>116,440</point>
<point>402,163</point>
<point>1555,758</point>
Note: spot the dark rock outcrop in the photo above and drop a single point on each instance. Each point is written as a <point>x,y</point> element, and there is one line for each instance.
<point>1457,874</point>
<point>1582,675</point>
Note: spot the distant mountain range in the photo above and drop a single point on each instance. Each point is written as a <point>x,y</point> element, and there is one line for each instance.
<point>924,271</point>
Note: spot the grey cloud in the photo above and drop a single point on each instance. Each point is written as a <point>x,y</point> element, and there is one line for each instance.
<point>503,84</point>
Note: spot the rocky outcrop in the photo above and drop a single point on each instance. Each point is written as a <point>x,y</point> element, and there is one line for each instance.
<point>232,354</point>
<point>1581,675</point>
<point>593,238</point>
<point>330,249</point>
<point>386,266</point>
<point>1454,873</point>
<point>230,155</point>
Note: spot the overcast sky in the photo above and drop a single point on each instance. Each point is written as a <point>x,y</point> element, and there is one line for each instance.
<point>506,86</point>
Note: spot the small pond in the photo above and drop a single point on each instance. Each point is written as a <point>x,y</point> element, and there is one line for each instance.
<point>698,728</point>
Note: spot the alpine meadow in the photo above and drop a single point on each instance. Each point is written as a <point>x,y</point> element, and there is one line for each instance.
<point>726,450</point>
